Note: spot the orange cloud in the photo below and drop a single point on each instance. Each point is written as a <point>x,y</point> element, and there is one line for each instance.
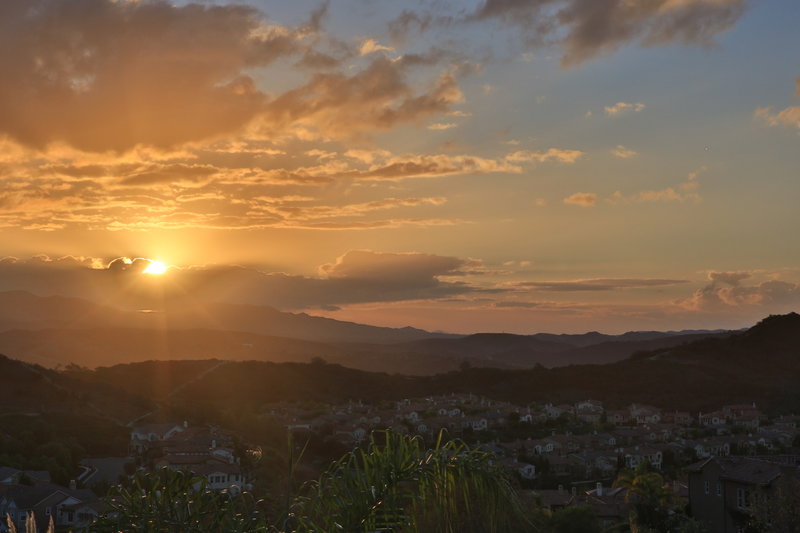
<point>110,75</point>
<point>789,116</point>
<point>552,154</point>
<point>583,199</point>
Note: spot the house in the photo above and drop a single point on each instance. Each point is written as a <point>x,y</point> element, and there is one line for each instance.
<point>618,417</point>
<point>590,416</point>
<point>714,418</point>
<point>681,418</point>
<point>641,454</point>
<point>645,414</point>
<point>221,476</point>
<point>143,437</point>
<point>13,476</point>
<point>553,411</point>
<point>525,470</point>
<point>554,500</point>
<point>48,502</point>
<point>721,488</point>
<point>609,505</point>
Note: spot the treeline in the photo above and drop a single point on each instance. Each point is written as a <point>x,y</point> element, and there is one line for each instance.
<point>57,442</point>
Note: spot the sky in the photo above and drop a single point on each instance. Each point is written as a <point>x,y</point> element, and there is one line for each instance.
<point>463,166</point>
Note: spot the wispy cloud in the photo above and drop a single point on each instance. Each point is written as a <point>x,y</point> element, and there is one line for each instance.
<point>623,153</point>
<point>599,284</point>
<point>621,108</point>
<point>552,154</point>
<point>582,199</point>
<point>789,116</point>
<point>440,126</point>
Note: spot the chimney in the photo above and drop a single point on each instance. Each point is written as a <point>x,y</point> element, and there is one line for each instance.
<point>213,443</point>
<point>73,485</point>
<point>599,489</point>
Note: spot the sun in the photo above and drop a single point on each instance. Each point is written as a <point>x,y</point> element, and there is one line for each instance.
<point>155,268</point>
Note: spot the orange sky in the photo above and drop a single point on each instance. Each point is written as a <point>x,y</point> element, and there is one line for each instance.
<point>520,165</point>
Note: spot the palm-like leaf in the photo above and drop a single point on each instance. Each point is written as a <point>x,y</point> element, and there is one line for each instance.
<point>398,485</point>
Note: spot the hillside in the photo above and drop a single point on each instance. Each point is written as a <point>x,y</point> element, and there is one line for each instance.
<point>56,331</point>
<point>700,375</point>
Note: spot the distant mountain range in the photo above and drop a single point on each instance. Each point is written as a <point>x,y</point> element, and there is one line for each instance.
<point>759,365</point>
<point>54,331</point>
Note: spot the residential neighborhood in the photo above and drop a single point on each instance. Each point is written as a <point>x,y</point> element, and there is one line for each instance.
<point>559,455</point>
<point>569,455</point>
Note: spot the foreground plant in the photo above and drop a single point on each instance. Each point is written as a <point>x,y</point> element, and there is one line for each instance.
<point>397,485</point>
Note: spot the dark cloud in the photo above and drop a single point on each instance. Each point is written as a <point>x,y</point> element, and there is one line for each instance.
<point>729,278</point>
<point>355,277</point>
<point>586,29</point>
<point>600,284</point>
<point>417,269</point>
<point>519,305</point>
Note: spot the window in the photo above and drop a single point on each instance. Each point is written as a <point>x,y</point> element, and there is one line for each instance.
<point>47,511</point>
<point>719,489</point>
<point>706,487</point>
<point>741,498</point>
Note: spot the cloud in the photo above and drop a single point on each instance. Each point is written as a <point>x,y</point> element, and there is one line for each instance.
<point>108,75</point>
<point>599,284</point>
<point>249,186</point>
<point>552,154</point>
<point>732,279</point>
<point>621,108</point>
<point>369,46</point>
<point>788,117</point>
<point>583,199</point>
<point>428,166</point>
<point>356,276</point>
<point>391,267</point>
<point>622,152</point>
<point>377,97</point>
<point>683,192</point>
<point>300,212</point>
<point>670,194</point>
<point>113,75</point>
<point>586,29</point>
<point>439,126</point>
<point>727,293</point>
<point>171,174</point>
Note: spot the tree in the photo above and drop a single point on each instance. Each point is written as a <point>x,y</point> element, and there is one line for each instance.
<point>169,501</point>
<point>578,519</point>
<point>651,499</point>
<point>777,511</point>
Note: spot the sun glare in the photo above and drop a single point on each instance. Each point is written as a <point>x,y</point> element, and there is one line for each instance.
<point>155,268</point>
